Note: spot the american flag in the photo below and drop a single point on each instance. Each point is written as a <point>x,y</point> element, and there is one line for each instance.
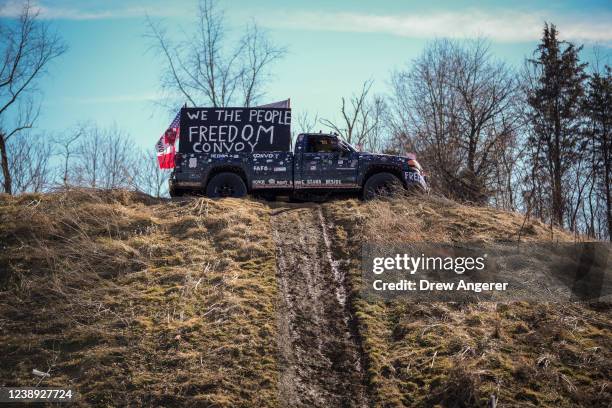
<point>166,145</point>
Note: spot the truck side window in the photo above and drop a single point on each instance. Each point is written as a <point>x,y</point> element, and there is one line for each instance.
<point>322,144</point>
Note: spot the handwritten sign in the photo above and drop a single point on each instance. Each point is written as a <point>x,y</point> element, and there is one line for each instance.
<point>234,130</point>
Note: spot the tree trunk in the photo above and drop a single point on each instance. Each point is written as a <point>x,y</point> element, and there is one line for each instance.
<point>607,182</point>
<point>558,210</point>
<point>5,166</point>
<point>66,169</point>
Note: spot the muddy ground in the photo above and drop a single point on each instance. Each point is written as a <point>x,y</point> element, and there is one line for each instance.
<point>320,359</point>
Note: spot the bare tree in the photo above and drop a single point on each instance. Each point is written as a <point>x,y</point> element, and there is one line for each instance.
<point>457,107</point>
<point>106,158</point>
<point>374,130</point>
<point>65,145</point>
<point>361,118</point>
<point>202,68</point>
<point>29,162</point>
<point>149,177</point>
<point>27,47</point>
<point>258,53</point>
<point>87,167</point>
<point>306,122</point>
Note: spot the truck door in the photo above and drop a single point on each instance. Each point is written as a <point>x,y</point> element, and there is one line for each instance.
<point>326,163</point>
<point>271,170</point>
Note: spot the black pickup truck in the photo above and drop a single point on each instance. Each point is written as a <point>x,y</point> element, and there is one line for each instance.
<point>320,164</point>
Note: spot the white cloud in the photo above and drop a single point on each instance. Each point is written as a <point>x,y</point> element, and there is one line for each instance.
<point>504,25</point>
<point>498,25</point>
<point>144,97</point>
<point>13,8</point>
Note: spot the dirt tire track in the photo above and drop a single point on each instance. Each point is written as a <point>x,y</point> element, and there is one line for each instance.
<point>320,362</point>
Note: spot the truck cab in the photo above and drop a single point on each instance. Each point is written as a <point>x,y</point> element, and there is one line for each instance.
<point>325,161</point>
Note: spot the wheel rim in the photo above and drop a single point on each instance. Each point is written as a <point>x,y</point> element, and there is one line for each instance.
<point>225,190</point>
<point>383,190</point>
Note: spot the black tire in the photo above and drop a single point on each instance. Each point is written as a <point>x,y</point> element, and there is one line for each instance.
<point>175,192</point>
<point>381,185</point>
<point>226,185</point>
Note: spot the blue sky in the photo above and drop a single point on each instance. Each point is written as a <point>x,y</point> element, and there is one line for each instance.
<point>109,75</point>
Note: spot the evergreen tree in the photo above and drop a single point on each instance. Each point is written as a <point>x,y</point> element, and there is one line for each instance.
<point>555,97</point>
<point>598,109</point>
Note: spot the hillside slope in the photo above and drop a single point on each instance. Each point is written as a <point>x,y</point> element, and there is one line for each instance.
<point>138,301</point>
<point>453,354</point>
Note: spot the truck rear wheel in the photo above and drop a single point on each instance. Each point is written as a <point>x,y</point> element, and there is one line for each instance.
<point>175,192</point>
<point>226,185</point>
<point>381,185</point>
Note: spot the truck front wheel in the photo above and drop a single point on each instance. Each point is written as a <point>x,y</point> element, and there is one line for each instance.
<point>381,185</point>
<point>226,185</point>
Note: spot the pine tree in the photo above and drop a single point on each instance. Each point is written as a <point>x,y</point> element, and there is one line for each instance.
<point>598,108</point>
<point>555,98</point>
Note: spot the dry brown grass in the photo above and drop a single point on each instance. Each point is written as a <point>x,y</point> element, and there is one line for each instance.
<point>137,301</point>
<point>132,300</point>
<point>440,220</point>
<point>457,355</point>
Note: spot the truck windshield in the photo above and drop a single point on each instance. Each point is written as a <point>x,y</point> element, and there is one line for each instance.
<point>345,146</point>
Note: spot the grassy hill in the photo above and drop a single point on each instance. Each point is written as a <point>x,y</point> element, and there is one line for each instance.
<point>138,301</point>
<point>425,354</point>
